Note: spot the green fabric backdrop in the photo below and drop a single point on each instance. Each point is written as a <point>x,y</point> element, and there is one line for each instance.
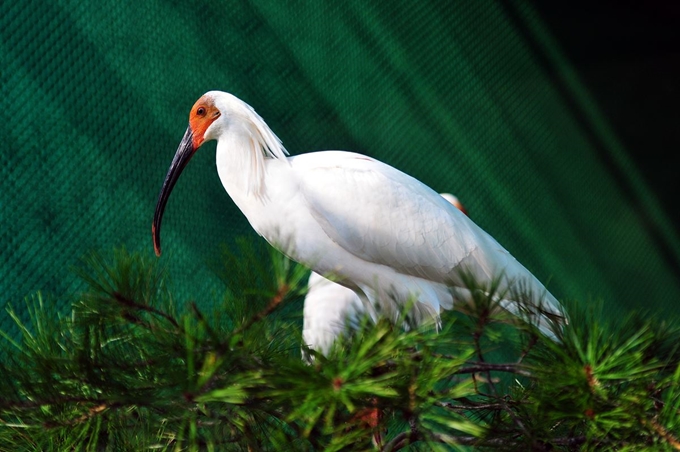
<point>475,98</point>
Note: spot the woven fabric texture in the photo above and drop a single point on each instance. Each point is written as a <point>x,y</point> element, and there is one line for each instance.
<point>473,98</point>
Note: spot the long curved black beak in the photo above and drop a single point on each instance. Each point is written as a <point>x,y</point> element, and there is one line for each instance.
<point>184,153</point>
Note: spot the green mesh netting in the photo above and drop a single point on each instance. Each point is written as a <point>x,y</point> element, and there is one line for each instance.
<point>473,98</point>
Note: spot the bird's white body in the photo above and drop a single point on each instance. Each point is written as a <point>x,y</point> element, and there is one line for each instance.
<point>375,228</point>
<point>331,309</point>
<point>382,233</point>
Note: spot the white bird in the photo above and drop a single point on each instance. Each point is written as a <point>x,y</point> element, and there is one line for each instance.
<point>331,309</point>
<point>384,234</point>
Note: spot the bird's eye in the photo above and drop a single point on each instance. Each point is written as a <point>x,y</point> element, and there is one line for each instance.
<point>200,111</point>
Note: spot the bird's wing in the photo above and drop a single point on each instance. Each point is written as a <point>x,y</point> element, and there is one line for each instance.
<point>384,216</point>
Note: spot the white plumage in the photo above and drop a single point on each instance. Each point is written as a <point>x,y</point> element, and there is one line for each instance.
<point>331,309</point>
<point>384,234</point>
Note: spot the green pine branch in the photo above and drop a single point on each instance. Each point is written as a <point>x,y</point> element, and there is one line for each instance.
<point>132,368</point>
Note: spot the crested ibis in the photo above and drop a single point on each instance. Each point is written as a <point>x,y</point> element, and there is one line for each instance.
<point>382,233</point>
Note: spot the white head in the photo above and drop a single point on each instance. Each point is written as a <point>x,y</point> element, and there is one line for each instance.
<point>454,200</point>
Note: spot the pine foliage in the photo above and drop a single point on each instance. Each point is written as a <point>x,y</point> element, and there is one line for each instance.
<point>132,368</point>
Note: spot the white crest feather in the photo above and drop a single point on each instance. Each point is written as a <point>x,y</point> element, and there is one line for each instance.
<point>262,141</point>
<point>264,144</point>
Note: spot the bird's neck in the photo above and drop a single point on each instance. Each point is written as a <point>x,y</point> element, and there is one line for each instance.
<point>241,165</point>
